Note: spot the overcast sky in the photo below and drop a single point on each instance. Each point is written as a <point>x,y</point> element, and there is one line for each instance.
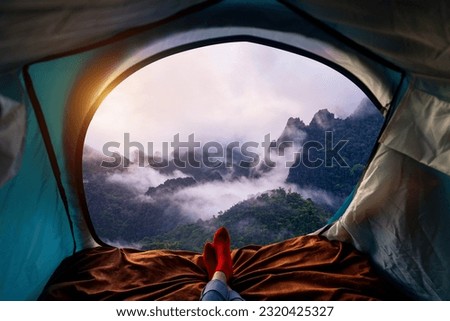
<point>237,91</point>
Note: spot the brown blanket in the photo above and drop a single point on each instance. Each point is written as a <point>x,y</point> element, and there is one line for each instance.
<point>302,268</point>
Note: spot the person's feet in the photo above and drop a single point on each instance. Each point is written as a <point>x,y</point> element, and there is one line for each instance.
<point>221,243</point>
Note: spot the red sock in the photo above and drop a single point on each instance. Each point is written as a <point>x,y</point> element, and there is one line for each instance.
<point>222,246</point>
<point>210,259</point>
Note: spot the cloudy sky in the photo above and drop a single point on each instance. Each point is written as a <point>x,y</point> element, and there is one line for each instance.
<point>225,92</point>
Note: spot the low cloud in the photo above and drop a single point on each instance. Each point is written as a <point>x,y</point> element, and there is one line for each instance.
<point>124,244</point>
<point>139,179</point>
<point>206,199</point>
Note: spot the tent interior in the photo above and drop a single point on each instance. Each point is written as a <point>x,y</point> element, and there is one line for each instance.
<point>58,60</point>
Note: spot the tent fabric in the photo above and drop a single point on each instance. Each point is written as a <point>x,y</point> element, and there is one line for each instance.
<point>420,129</point>
<point>59,60</point>
<point>32,30</point>
<point>413,35</point>
<point>51,84</point>
<point>402,225</point>
<point>303,268</point>
<point>34,231</point>
<point>12,134</point>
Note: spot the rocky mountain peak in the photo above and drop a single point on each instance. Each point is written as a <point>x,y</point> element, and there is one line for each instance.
<point>323,119</point>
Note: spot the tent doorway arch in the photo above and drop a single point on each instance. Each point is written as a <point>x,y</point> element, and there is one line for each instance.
<point>112,63</point>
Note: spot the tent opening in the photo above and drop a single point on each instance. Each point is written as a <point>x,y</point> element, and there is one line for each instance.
<point>263,141</point>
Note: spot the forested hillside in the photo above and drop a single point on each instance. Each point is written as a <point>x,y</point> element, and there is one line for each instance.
<point>270,217</point>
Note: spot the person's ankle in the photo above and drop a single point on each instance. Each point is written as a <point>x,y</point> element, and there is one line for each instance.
<point>219,275</point>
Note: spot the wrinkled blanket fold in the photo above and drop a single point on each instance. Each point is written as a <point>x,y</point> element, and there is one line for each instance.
<point>301,268</point>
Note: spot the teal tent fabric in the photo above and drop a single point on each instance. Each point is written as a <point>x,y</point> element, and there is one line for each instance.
<point>52,83</point>
<point>34,230</point>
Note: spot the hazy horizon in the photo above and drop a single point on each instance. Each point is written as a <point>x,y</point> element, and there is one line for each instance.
<point>235,91</point>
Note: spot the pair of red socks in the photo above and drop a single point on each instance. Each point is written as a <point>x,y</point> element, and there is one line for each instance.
<point>217,255</point>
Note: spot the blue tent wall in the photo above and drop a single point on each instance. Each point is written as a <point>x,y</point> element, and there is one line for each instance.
<point>52,83</point>
<point>34,231</point>
<point>35,221</point>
